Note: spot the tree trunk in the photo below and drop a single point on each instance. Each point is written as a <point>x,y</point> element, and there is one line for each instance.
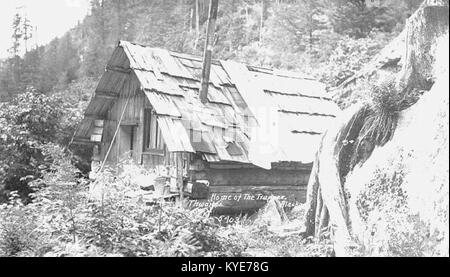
<point>421,33</point>
<point>197,23</point>
<point>326,198</point>
<point>263,17</point>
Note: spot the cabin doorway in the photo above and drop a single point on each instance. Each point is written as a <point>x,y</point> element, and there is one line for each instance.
<point>128,141</point>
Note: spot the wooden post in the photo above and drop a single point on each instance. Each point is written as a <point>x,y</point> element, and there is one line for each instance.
<point>206,69</point>
<point>118,147</point>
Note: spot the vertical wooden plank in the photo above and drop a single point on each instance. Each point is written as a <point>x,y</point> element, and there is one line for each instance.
<point>106,139</point>
<point>117,142</point>
<point>186,162</point>
<point>140,131</point>
<point>112,155</point>
<point>166,156</point>
<point>120,107</point>
<point>179,165</point>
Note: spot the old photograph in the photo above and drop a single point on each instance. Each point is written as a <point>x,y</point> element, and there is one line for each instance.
<point>224,128</point>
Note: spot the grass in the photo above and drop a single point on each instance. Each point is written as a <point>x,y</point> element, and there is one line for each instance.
<point>263,241</point>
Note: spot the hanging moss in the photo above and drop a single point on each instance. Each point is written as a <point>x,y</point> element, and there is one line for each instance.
<point>346,143</point>
<point>374,124</point>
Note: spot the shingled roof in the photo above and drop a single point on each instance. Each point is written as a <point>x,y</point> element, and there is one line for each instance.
<point>230,120</point>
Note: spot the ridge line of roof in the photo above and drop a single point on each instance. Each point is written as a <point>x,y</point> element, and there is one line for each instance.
<point>190,56</point>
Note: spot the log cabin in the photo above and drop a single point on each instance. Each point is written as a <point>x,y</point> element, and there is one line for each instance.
<point>255,134</point>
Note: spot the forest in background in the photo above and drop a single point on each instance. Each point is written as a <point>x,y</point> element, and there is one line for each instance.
<point>329,39</point>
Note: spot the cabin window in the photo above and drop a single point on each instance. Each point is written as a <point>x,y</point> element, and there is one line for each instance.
<point>152,133</point>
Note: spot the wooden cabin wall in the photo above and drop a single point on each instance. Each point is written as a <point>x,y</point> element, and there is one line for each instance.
<point>134,119</point>
<point>233,180</point>
<point>108,133</point>
<point>225,179</point>
<point>167,159</point>
<point>131,118</point>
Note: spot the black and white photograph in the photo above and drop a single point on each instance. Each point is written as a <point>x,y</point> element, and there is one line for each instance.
<point>235,131</point>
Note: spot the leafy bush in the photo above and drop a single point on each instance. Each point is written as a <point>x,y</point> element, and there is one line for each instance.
<point>67,218</point>
<point>121,222</point>
<point>64,219</point>
<point>27,123</point>
<point>17,228</point>
<point>349,55</point>
<point>72,223</point>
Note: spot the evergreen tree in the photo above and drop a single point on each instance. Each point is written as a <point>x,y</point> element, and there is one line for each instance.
<point>17,35</point>
<point>15,61</point>
<point>26,31</point>
<point>67,60</point>
<point>357,19</point>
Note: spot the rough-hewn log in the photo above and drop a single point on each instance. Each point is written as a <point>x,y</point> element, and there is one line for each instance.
<point>118,69</point>
<point>106,95</point>
<point>243,189</point>
<point>252,176</point>
<point>82,140</point>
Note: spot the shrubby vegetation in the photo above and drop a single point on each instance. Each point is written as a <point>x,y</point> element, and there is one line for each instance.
<point>30,121</point>
<point>64,218</point>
